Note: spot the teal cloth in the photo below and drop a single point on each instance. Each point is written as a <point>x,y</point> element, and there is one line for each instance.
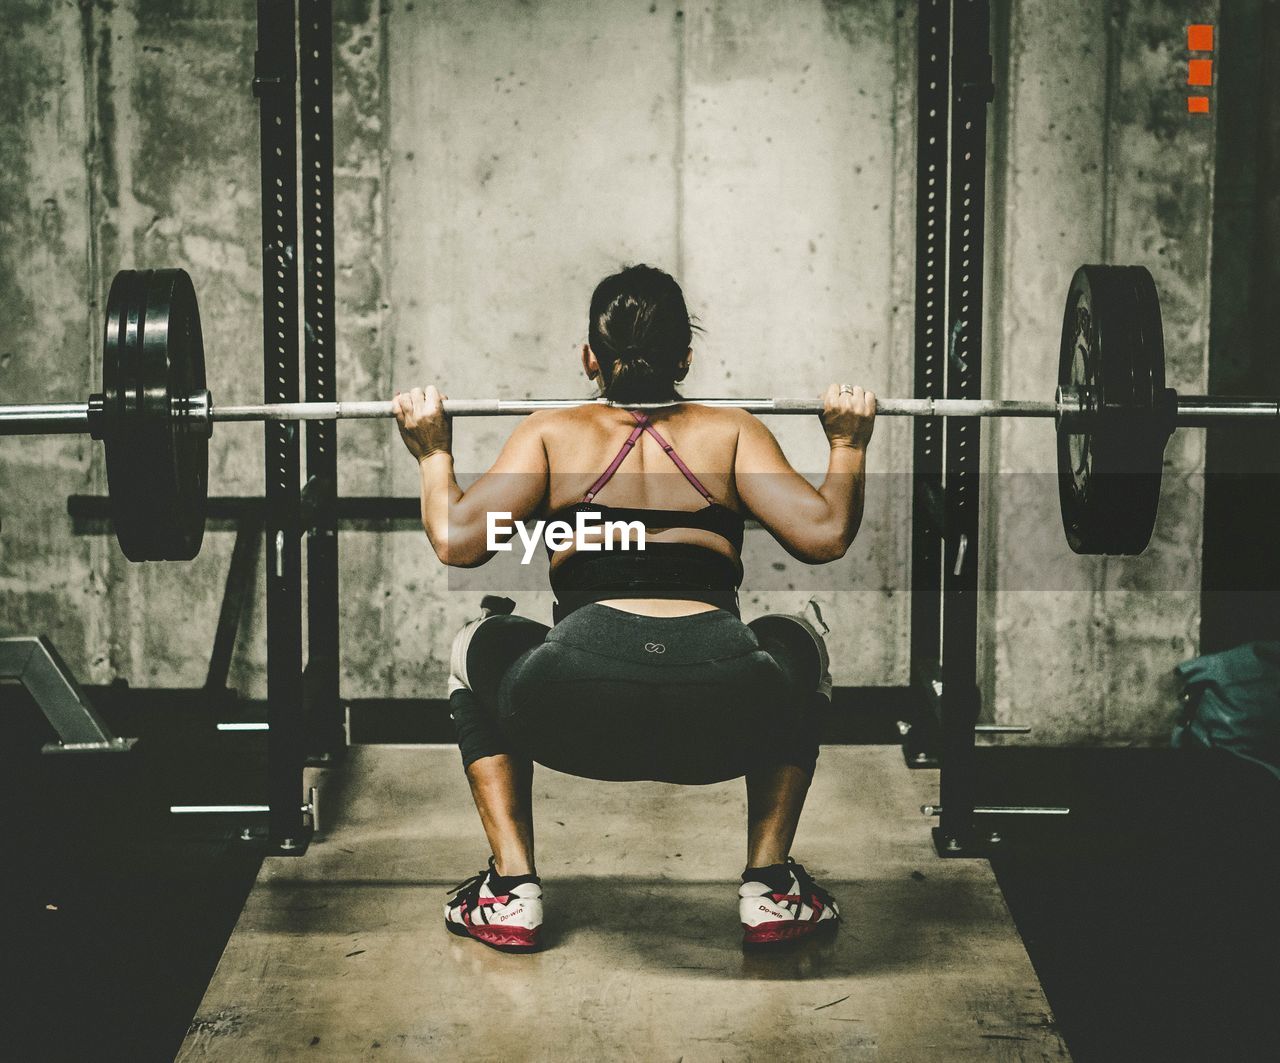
<point>1232,703</point>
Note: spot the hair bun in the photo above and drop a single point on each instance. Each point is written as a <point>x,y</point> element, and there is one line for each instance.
<point>635,379</point>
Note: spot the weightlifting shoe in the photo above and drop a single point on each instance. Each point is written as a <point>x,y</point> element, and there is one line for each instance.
<point>503,913</point>
<point>783,903</point>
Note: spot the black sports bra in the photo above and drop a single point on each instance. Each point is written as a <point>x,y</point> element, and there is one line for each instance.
<point>713,517</point>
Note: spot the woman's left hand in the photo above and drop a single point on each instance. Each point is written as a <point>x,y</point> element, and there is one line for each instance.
<point>424,426</point>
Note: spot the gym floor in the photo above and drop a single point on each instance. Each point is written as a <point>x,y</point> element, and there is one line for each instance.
<point>1148,914</point>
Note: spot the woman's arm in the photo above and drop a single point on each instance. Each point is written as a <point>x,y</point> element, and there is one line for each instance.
<point>456,521</point>
<point>815,525</point>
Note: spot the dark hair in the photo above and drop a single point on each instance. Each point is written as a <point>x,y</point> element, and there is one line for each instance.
<point>640,331</point>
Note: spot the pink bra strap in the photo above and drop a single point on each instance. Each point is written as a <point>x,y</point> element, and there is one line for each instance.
<point>643,425</point>
<point>677,460</point>
<point>619,458</point>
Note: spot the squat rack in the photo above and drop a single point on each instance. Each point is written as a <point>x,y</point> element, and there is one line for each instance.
<point>954,88</point>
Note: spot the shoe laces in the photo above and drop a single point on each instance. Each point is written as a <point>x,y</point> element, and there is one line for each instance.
<point>806,881</point>
<point>468,891</point>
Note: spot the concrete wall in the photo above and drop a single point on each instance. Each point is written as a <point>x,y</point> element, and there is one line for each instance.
<point>493,161</point>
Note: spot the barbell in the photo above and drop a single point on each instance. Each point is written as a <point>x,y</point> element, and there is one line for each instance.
<point>1112,410</point>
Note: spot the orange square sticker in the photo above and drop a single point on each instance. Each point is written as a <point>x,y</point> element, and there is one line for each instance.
<point>1198,104</point>
<point>1200,72</point>
<point>1200,38</point>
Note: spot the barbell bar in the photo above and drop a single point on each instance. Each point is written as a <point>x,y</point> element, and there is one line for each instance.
<point>69,418</point>
<point>72,417</point>
<point>1112,412</point>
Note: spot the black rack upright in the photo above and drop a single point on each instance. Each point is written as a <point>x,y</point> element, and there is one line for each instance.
<point>953,91</point>
<point>274,83</point>
<point>325,714</point>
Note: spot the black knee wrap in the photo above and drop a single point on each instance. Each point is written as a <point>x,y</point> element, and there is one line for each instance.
<point>477,729</point>
<point>801,653</point>
<point>483,653</point>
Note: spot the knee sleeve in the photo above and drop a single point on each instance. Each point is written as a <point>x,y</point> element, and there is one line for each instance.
<point>483,653</point>
<point>477,728</point>
<point>801,654</point>
<point>458,678</point>
<point>799,649</point>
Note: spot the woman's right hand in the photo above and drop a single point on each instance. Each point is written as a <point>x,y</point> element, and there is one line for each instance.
<point>424,425</point>
<point>848,416</point>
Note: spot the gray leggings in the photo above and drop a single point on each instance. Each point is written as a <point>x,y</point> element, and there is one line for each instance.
<point>612,695</point>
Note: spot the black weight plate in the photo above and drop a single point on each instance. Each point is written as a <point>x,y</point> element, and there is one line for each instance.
<point>1098,355</point>
<point>157,458</point>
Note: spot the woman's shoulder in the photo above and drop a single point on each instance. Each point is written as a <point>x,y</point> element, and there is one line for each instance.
<point>565,417</point>
<point>727,420</point>
<point>569,424</point>
<point>721,414</point>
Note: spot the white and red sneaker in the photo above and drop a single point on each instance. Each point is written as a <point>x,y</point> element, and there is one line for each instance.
<point>783,903</point>
<point>504,913</point>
